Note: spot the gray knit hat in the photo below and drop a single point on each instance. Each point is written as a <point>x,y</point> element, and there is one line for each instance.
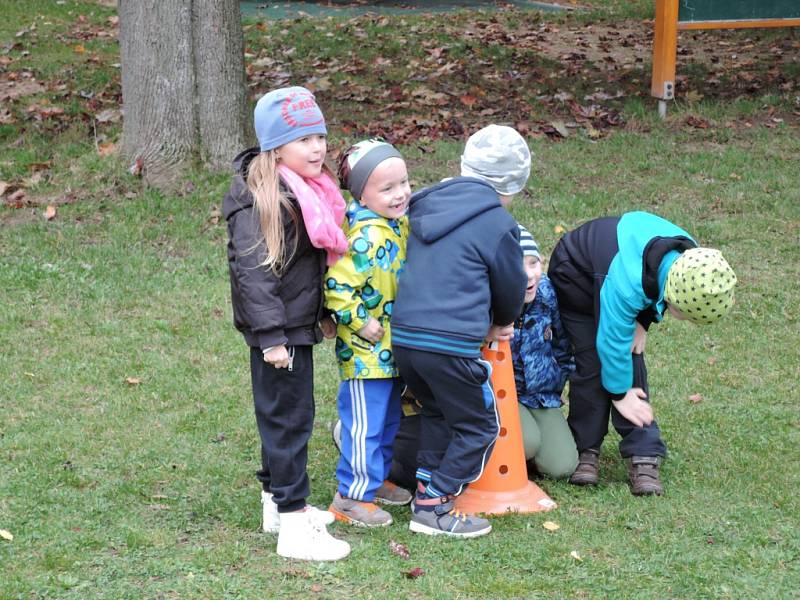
<point>528,244</point>
<point>498,155</point>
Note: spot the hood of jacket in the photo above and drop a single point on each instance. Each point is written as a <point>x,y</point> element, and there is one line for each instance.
<point>454,203</point>
<point>238,196</point>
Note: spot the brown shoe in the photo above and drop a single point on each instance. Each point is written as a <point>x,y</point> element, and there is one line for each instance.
<point>643,475</point>
<point>588,469</point>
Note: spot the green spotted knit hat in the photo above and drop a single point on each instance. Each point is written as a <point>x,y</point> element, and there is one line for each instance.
<point>700,284</point>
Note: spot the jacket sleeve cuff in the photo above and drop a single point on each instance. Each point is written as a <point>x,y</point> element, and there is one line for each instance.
<point>615,397</point>
<point>271,339</point>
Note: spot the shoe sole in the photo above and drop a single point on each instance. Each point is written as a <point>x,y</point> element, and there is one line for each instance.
<point>647,492</point>
<point>301,556</point>
<point>388,502</point>
<point>339,516</point>
<point>586,482</point>
<point>428,530</point>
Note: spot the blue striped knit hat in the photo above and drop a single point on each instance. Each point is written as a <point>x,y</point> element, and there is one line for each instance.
<point>528,244</point>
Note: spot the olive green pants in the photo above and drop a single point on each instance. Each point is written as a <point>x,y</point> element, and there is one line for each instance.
<point>548,441</point>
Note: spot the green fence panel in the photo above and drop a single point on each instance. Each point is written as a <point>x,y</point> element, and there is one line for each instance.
<point>727,10</point>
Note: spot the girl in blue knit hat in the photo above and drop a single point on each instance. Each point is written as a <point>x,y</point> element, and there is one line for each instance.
<point>284,213</point>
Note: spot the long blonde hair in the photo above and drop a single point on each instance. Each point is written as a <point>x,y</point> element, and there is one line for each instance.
<point>268,200</point>
<point>263,181</point>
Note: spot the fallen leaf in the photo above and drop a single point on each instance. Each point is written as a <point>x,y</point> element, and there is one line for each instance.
<point>6,535</point>
<point>695,398</point>
<point>561,128</point>
<point>316,588</point>
<point>698,122</point>
<point>399,549</point>
<point>574,554</point>
<point>712,360</point>
<point>215,215</point>
<point>137,167</point>
<point>550,526</point>
<point>79,48</point>
<point>735,176</point>
<point>16,199</point>
<point>559,229</point>
<point>50,212</point>
<point>109,115</point>
<point>414,573</point>
<point>107,149</point>
<point>693,96</point>
<point>468,100</point>
<point>3,187</point>
<point>133,380</point>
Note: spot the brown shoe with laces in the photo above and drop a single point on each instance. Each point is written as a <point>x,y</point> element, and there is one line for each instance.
<point>644,476</point>
<point>588,470</point>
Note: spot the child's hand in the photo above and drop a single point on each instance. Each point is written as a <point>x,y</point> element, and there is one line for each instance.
<point>500,333</point>
<point>634,408</point>
<point>328,327</point>
<point>277,356</point>
<point>639,339</point>
<point>372,331</point>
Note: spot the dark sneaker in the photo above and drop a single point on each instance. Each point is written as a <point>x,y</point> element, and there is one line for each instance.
<point>392,494</point>
<point>643,475</point>
<point>361,514</point>
<point>588,469</point>
<point>438,516</point>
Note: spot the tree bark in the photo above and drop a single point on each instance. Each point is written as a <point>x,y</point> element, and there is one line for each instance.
<point>183,84</point>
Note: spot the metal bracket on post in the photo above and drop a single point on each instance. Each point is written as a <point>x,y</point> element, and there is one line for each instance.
<point>665,47</point>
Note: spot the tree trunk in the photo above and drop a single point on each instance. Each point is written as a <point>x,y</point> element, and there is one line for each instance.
<point>183,84</point>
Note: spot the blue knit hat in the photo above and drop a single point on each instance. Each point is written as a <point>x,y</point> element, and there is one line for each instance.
<point>285,114</point>
<point>528,244</point>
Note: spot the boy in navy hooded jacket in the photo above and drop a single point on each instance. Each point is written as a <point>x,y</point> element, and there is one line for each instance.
<point>463,283</point>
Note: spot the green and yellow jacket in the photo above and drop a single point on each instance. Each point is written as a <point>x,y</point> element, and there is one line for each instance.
<point>363,284</point>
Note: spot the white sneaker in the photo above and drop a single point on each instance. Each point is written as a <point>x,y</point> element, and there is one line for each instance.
<point>271,521</point>
<point>302,536</point>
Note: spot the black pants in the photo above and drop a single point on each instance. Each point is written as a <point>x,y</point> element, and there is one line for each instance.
<point>403,471</point>
<point>459,422</point>
<point>590,403</point>
<point>284,404</point>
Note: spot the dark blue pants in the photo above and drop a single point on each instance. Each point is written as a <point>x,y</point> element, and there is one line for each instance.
<point>459,422</point>
<point>590,403</point>
<point>284,405</point>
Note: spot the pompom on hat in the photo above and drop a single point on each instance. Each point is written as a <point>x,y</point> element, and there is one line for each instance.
<point>286,114</point>
<point>528,244</point>
<point>700,284</point>
<point>498,155</point>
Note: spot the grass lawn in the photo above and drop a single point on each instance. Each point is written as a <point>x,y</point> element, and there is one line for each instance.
<point>127,440</point>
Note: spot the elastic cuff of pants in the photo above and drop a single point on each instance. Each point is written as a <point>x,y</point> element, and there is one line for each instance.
<point>433,492</point>
<point>292,506</point>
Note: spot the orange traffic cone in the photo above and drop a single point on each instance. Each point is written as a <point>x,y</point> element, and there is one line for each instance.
<point>504,485</point>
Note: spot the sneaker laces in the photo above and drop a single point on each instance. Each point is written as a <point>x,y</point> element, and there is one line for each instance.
<point>458,515</point>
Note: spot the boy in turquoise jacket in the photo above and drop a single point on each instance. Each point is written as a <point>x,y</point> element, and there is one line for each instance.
<point>614,277</point>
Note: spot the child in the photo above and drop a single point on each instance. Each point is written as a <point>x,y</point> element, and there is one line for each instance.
<point>542,361</point>
<point>463,283</point>
<point>283,211</point>
<point>614,277</point>
<point>360,290</point>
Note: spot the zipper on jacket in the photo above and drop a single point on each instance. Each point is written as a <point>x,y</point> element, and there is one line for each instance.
<point>290,350</point>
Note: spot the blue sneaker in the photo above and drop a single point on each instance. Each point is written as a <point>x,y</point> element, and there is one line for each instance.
<point>438,516</point>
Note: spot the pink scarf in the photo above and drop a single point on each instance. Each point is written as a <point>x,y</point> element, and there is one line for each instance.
<point>323,209</point>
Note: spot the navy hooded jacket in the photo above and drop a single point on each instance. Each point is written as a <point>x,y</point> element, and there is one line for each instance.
<point>463,269</point>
